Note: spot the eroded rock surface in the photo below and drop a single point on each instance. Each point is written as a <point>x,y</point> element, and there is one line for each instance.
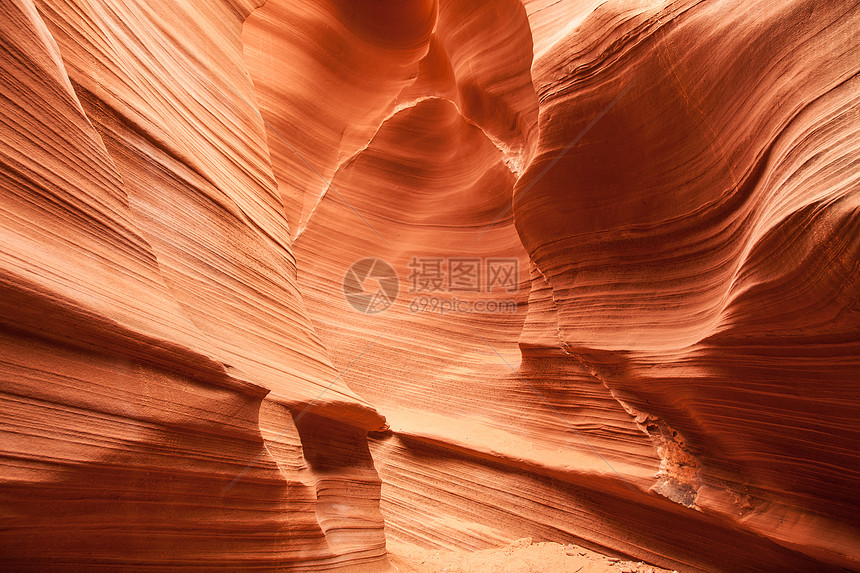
<point>668,371</point>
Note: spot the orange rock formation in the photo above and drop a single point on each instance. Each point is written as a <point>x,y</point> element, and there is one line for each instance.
<point>609,292</point>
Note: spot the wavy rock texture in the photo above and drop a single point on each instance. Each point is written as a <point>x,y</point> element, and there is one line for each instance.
<point>158,360</point>
<point>671,375</point>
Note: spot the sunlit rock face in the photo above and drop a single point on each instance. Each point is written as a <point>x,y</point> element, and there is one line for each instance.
<point>281,281</point>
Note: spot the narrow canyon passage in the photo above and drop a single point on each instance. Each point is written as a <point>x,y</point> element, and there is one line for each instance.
<point>430,285</point>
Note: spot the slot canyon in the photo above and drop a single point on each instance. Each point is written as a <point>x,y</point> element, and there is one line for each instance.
<point>430,285</point>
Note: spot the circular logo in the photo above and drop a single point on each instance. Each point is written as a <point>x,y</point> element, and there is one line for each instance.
<point>370,285</point>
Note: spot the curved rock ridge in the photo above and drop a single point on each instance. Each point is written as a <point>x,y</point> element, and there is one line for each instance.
<point>648,192</point>
<point>714,208</point>
<point>163,389</point>
<point>284,280</point>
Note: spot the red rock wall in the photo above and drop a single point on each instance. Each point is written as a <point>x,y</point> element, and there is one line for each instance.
<point>156,350</point>
<point>672,375</point>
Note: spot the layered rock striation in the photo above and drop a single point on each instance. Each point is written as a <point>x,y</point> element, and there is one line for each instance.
<point>606,291</point>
